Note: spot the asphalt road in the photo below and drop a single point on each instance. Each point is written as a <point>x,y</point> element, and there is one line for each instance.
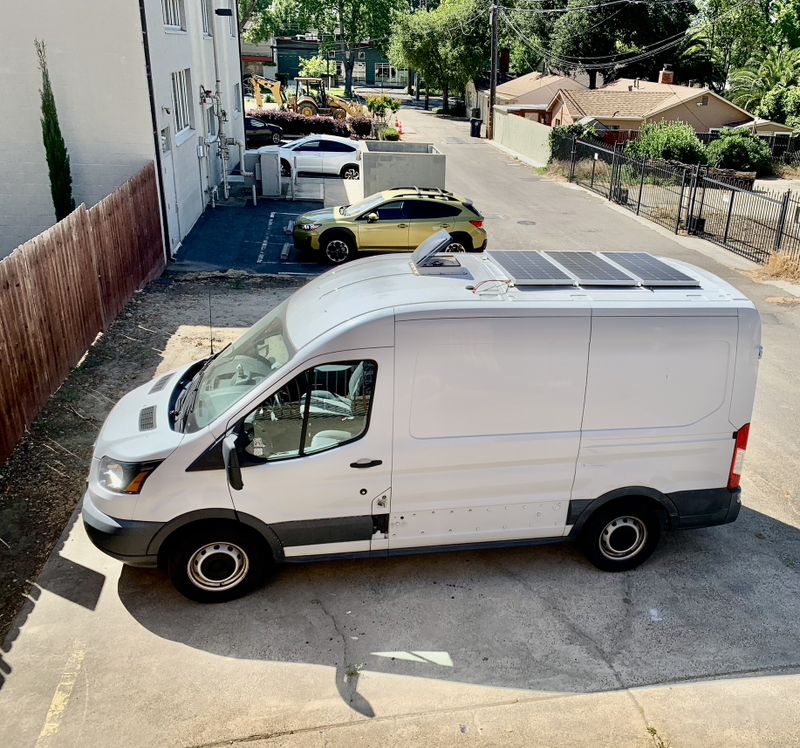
<point>515,647</point>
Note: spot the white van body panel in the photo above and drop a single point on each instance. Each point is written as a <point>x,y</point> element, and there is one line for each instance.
<point>498,414</point>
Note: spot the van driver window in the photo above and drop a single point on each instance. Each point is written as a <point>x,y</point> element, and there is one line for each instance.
<point>318,410</point>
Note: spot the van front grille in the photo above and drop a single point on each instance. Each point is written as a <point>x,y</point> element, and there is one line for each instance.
<point>147,418</point>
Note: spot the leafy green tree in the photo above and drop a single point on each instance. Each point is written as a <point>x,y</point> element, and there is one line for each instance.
<point>315,67</point>
<point>260,20</point>
<point>724,35</point>
<point>763,84</point>
<point>448,45</point>
<point>54,147</point>
<point>349,23</point>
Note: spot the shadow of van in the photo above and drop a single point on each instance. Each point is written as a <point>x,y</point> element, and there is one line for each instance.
<point>709,603</point>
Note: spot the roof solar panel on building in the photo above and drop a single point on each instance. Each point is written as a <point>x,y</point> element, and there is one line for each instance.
<point>590,269</point>
<point>650,270</point>
<point>531,269</point>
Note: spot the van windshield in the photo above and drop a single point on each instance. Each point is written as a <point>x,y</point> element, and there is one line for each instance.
<point>236,370</point>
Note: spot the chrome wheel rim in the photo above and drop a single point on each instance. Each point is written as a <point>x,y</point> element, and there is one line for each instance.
<point>623,538</point>
<point>351,173</point>
<point>218,566</point>
<point>336,250</point>
<point>276,138</point>
<point>456,247</point>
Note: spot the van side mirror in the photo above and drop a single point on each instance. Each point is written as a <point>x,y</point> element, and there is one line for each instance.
<point>372,217</point>
<point>231,458</point>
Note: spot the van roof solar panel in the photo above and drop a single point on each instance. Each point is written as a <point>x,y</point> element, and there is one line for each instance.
<point>650,270</point>
<point>591,269</point>
<point>531,269</point>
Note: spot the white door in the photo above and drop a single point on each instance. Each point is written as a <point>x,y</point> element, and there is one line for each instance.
<point>308,157</point>
<point>488,427</point>
<point>316,456</point>
<point>170,190</point>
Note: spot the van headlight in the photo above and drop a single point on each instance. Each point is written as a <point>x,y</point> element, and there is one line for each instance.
<point>124,477</point>
<point>309,226</point>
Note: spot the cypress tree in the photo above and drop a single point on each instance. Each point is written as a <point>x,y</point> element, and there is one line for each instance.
<point>54,147</point>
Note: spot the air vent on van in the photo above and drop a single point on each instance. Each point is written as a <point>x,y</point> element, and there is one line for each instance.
<point>147,418</point>
<point>160,384</point>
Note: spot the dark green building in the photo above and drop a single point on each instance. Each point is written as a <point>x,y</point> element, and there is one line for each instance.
<point>371,67</point>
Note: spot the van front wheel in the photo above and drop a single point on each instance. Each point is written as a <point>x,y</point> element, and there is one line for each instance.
<point>216,565</point>
<point>620,537</point>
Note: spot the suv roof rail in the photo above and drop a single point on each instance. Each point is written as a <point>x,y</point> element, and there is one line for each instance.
<point>437,190</point>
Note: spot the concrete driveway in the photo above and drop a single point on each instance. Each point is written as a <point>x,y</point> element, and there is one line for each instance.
<point>515,647</point>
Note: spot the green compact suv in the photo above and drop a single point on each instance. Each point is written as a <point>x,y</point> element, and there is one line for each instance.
<point>396,220</point>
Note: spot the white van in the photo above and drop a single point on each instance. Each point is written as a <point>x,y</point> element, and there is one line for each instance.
<point>449,401</point>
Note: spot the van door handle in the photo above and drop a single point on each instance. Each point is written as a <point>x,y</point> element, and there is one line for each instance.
<point>366,463</point>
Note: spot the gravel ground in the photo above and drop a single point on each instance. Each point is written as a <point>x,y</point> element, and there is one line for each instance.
<point>43,481</point>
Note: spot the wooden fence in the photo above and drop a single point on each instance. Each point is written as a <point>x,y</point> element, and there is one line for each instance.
<point>63,287</point>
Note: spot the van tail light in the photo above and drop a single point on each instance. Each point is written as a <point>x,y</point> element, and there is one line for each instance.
<point>735,477</point>
<point>477,224</point>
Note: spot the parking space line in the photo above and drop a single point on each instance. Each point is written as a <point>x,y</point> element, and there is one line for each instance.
<point>62,695</point>
<point>263,250</point>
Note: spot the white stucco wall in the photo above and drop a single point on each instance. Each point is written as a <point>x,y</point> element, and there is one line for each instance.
<point>96,62</point>
<point>523,137</point>
<point>171,51</point>
<point>393,164</point>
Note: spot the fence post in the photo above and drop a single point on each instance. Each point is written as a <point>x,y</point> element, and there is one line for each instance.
<point>641,187</point>
<point>594,162</point>
<point>781,222</point>
<point>573,154</point>
<point>692,195</point>
<point>680,202</point>
<point>728,220</point>
<point>613,174</point>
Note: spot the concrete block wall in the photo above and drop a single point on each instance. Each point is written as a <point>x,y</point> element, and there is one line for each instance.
<point>386,165</point>
<point>523,137</point>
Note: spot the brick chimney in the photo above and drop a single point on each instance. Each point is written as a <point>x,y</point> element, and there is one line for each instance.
<point>666,75</point>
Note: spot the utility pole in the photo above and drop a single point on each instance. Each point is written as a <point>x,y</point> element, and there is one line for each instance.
<point>493,84</point>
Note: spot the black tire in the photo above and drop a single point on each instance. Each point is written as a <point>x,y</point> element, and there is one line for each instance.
<point>276,138</point>
<point>337,248</point>
<point>214,564</point>
<point>350,171</point>
<point>464,240</point>
<point>286,170</point>
<point>620,537</point>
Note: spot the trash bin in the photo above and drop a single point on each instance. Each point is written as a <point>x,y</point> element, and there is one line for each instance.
<point>475,127</point>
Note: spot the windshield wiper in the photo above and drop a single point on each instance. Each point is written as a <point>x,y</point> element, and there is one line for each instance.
<point>190,396</point>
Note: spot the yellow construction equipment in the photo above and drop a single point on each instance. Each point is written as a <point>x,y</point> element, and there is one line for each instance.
<point>310,97</point>
<point>273,90</point>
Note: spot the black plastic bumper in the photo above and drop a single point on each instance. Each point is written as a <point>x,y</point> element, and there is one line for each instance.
<point>125,540</point>
<point>705,508</point>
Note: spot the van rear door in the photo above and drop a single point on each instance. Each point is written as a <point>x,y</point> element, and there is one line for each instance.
<point>487,426</point>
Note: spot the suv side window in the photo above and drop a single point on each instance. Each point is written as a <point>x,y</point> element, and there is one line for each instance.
<point>334,146</point>
<point>421,209</point>
<point>393,211</point>
<point>320,409</point>
<point>311,145</point>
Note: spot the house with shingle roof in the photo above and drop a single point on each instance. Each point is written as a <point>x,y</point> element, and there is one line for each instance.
<point>627,103</point>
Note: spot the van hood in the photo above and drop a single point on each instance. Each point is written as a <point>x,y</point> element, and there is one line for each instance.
<point>137,428</point>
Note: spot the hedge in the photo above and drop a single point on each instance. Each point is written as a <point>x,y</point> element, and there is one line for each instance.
<point>670,141</point>
<point>742,151</point>
<point>294,123</point>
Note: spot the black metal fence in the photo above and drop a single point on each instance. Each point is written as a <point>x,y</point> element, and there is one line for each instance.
<point>752,223</point>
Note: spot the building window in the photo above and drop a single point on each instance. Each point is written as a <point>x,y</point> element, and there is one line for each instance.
<point>211,123</point>
<point>232,18</point>
<point>207,11</point>
<point>362,55</point>
<point>389,74</point>
<point>174,16</point>
<point>237,97</point>
<point>181,103</point>
<point>166,141</point>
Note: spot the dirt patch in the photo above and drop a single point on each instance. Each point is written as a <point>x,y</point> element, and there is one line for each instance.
<point>780,266</point>
<point>784,300</point>
<point>43,481</point>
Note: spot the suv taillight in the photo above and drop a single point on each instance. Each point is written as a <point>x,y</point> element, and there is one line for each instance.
<point>735,476</point>
<point>477,224</point>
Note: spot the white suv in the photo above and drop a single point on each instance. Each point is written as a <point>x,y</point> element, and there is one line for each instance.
<point>322,154</point>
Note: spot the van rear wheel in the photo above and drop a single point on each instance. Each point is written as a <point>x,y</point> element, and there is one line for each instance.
<point>214,565</point>
<point>620,537</point>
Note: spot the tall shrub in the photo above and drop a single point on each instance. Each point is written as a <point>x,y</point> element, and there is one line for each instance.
<point>739,150</point>
<point>671,141</point>
<point>54,146</point>
<point>561,139</point>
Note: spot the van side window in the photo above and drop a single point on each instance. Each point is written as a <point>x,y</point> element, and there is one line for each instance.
<point>319,409</point>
